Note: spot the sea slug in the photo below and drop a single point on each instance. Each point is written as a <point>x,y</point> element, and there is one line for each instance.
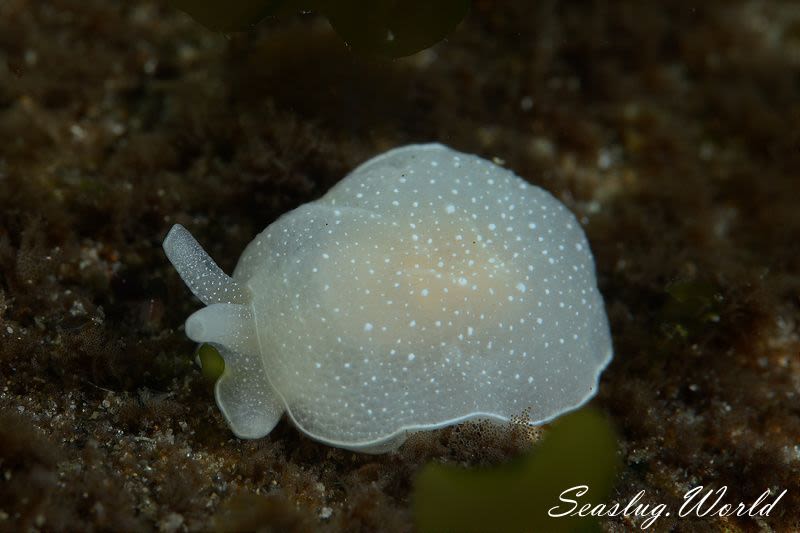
<point>426,288</point>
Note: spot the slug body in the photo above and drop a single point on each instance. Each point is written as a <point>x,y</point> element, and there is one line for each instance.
<point>426,288</point>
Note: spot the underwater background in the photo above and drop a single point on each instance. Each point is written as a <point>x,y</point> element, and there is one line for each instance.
<point>669,128</point>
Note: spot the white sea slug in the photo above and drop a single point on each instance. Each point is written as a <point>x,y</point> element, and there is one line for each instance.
<point>428,287</point>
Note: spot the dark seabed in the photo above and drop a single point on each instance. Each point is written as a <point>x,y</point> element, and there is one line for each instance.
<point>670,129</point>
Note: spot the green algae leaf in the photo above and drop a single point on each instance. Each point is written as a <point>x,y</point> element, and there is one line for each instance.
<point>390,28</point>
<point>230,15</point>
<point>579,449</point>
<point>394,28</point>
<point>212,364</point>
